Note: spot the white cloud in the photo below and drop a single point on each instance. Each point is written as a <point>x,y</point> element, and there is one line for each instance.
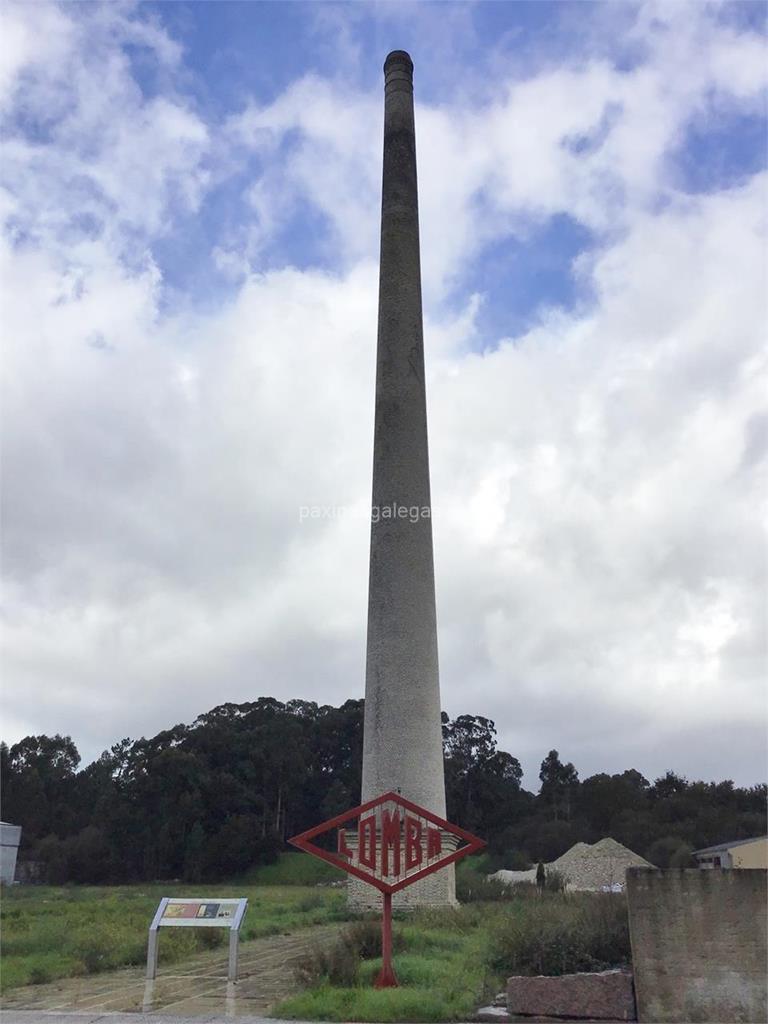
<point>86,153</point>
<point>623,569</point>
<point>584,138</point>
<point>332,162</point>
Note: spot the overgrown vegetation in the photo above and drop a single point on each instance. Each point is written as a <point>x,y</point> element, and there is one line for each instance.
<point>339,964</point>
<point>474,886</point>
<point>230,788</point>
<point>51,933</point>
<point>449,962</point>
<point>296,869</point>
<point>562,935</point>
<point>438,963</point>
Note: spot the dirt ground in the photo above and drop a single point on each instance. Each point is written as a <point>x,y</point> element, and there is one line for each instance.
<point>198,987</point>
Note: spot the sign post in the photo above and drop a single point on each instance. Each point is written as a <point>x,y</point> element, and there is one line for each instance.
<point>394,844</point>
<point>195,912</point>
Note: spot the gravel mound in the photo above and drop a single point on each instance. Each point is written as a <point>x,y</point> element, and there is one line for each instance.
<point>601,867</point>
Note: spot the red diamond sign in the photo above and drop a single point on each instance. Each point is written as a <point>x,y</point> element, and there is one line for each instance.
<point>390,842</point>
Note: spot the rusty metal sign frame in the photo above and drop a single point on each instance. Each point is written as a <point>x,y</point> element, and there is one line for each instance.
<point>303,841</point>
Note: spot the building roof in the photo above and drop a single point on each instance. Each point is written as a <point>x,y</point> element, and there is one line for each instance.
<point>728,846</point>
<point>10,835</point>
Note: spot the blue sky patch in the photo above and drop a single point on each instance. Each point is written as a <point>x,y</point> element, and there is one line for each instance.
<point>521,277</point>
<point>242,50</point>
<point>721,152</point>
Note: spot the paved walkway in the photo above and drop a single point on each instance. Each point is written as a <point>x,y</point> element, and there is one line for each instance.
<point>197,989</point>
<point>74,1017</point>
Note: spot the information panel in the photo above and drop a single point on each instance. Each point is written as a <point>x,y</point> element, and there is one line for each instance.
<point>197,912</point>
<point>210,913</point>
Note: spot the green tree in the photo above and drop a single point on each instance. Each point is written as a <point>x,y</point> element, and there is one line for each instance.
<point>603,799</point>
<point>194,854</point>
<point>234,848</point>
<point>558,784</point>
<point>669,851</point>
<point>38,785</point>
<point>482,782</point>
<point>232,785</point>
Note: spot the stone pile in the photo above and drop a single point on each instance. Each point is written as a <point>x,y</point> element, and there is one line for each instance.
<point>601,867</point>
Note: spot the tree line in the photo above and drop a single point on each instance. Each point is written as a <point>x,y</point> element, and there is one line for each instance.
<point>210,800</point>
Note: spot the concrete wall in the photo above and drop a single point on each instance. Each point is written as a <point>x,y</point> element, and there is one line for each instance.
<point>699,945</point>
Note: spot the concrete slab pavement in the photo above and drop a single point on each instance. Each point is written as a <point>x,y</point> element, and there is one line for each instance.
<point>78,1017</point>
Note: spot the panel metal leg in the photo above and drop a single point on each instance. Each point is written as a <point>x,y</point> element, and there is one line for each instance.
<point>152,954</point>
<point>148,1002</point>
<point>233,949</point>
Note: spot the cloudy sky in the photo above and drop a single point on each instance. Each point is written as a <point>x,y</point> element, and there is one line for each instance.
<point>190,212</point>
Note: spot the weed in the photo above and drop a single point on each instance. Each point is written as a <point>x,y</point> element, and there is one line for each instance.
<point>438,960</point>
<point>311,902</point>
<point>211,938</point>
<point>39,975</point>
<point>364,938</point>
<point>562,935</point>
<point>339,964</point>
<point>555,881</point>
<point>336,965</point>
<point>448,961</point>
<point>296,869</point>
<point>473,888</point>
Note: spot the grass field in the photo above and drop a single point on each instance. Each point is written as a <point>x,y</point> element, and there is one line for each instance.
<point>50,933</point>
<point>440,964</point>
<point>450,962</point>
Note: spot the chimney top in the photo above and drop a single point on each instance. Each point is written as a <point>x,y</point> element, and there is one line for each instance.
<point>398,57</point>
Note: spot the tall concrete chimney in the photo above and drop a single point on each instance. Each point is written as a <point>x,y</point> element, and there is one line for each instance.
<point>402,748</point>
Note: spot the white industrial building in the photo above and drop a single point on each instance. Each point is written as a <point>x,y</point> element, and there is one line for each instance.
<point>10,837</point>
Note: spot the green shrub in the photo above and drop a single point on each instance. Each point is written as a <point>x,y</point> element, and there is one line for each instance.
<point>562,935</point>
<point>515,860</point>
<point>523,890</point>
<point>482,890</point>
<point>339,964</point>
<point>39,975</point>
<point>211,938</point>
<point>336,965</point>
<point>606,925</point>
<point>555,881</point>
<point>438,962</point>
<point>311,902</point>
<point>683,857</point>
<point>671,852</point>
<point>94,958</point>
<point>364,938</point>
<point>296,869</point>
<point>37,969</point>
<point>473,886</point>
